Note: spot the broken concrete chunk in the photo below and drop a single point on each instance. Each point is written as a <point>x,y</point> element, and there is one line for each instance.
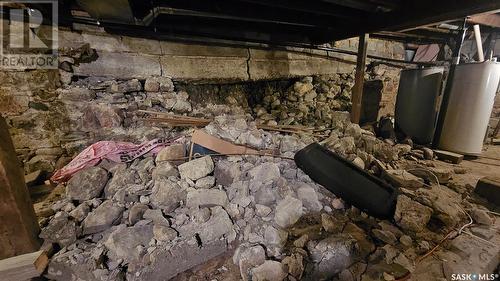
<point>269,271</point>
<point>87,184</point>
<point>227,173</point>
<point>402,178</point>
<point>163,233</point>
<point>332,255</point>
<point>288,211</point>
<point>265,172</point>
<point>309,198</point>
<point>248,258</point>
<point>136,213</point>
<point>385,236</point>
<point>206,198</point>
<point>167,195</point>
<point>156,216</point>
<point>171,152</point>
<point>262,210</point>
<point>80,212</point>
<point>164,169</point>
<point>411,215</point>
<point>102,217</point>
<point>60,230</point>
<point>197,169</point>
<point>206,182</point>
<point>294,265</point>
<point>123,242</point>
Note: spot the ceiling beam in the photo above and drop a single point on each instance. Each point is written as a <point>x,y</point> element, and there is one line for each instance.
<point>415,13</point>
<point>492,20</point>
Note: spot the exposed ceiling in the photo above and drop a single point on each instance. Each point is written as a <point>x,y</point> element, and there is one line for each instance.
<point>271,21</point>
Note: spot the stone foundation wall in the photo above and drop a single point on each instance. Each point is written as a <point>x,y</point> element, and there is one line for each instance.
<point>104,80</point>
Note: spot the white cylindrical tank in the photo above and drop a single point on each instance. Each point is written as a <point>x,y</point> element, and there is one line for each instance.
<point>469,108</point>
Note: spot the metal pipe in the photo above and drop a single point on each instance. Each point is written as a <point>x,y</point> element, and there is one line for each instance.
<point>479,42</point>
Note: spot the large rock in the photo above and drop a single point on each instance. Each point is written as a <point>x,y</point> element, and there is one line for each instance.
<point>120,179</point>
<point>269,271</point>
<point>104,216</point>
<point>265,172</point>
<point>411,215</point>
<point>332,255</point>
<point>402,178</point>
<point>171,152</point>
<point>60,230</point>
<point>123,242</point>
<point>288,211</point>
<point>247,258</point>
<point>167,195</point>
<point>206,198</point>
<point>197,168</point>
<point>309,198</point>
<point>87,184</point>
<point>219,225</point>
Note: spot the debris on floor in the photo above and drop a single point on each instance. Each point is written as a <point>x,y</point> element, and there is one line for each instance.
<point>152,219</point>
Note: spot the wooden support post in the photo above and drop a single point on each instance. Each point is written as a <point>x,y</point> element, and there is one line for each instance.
<point>357,93</point>
<point>18,224</point>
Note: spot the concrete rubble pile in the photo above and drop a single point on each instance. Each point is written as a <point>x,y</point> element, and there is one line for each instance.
<point>153,218</point>
<point>309,101</point>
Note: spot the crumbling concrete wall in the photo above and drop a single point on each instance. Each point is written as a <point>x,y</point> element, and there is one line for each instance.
<point>103,81</point>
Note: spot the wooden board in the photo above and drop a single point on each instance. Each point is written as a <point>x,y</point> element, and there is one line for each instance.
<point>489,188</point>
<point>24,267</point>
<point>449,156</point>
<point>18,224</point>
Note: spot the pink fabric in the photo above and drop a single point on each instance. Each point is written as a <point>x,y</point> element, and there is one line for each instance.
<point>114,151</point>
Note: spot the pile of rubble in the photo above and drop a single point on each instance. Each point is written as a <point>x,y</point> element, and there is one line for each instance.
<point>154,218</point>
<point>309,101</point>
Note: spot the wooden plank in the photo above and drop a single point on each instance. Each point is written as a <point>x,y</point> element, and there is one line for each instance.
<point>24,267</point>
<point>449,156</point>
<point>357,93</point>
<point>18,224</point>
<point>492,20</point>
<point>489,188</point>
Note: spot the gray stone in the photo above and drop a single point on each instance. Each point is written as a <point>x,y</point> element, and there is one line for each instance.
<point>332,255</point>
<point>219,225</point>
<point>102,217</point>
<point>309,198</point>
<point>164,169</point>
<point>87,184</point>
<point>411,215</point>
<point>120,179</point>
<point>171,152</point>
<point>402,178</point>
<point>262,210</point>
<point>269,271</point>
<point>385,236</point>
<point>163,233</point>
<point>265,172</point>
<point>123,242</point>
<point>481,216</point>
<point>156,216</point>
<point>197,168</point>
<point>247,258</point>
<point>274,236</point>
<point>60,230</point>
<point>206,182</point>
<point>294,265</point>
<point>288,211</point>
<point>226,173</point>
<point>80,212</point>
<point>206,198</point>
<point>167,195</point>
<point>136,213</point>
